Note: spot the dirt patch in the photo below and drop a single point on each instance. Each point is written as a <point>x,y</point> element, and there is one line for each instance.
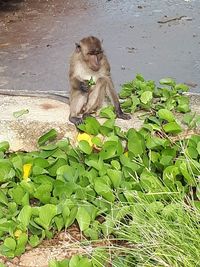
<point>48,106</point>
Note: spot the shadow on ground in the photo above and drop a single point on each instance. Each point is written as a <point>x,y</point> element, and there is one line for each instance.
<point>10,5</point>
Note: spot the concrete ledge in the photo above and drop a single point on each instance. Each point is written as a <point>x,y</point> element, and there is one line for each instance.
<point>44,114</point>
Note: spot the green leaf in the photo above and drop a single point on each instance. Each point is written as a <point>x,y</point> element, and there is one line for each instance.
<point>156,143</point>
<point>21,112</point>
<point>17,193</point>
<point>83,218</point>
<point>107,112</point>
<point>43,192</point>
<point>109,150</point>
<point>41,162</point>
<point>59,222</point>
<point>165,114</point>
<point>172,211</point>
<point>183,104</point>
<point>4,146</point>
<point>84,262</point>
<point>126,104</point>
<point>187,176</point>
<point>135,102</point>
<point>104,190</point>
<point>126,90</point>
<point>139,77</point>
<point>34,240</point>
<point>21,244</point>
<point>115,176</point>
<point>97,141</point>
<point>146,97</point>
<point>62,263</point>
<point>74,261</point>
<point>6,171</point>
<point>150,182</point>
<point>192,152</point>
<point>52,169</point>
<point>49,136</point>
<point>69,221</point>
<point>10,243</point>
<point>85,147</point>
<point>3,198</point>
<point>96,163</point>
<point>181,87</point>
<point>169,174</point>
<point>108,226</point>
<point>166,160</point>
<point>116,165</point>
<point>167,81</point>
<point>25,216</point>
<point>107,126</point>
<point>90,126</point>
<point>172,127</point>
<point>67,173</point>
<point>124,94</point>
<point>136,143</point>
<point>46,214</point>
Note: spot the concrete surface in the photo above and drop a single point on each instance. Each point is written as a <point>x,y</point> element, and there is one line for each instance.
<point>156,38</point>
<point>44,114</point>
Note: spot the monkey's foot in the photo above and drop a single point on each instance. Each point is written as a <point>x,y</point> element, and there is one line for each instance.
<point>76,120</point>
<point>123,116</point>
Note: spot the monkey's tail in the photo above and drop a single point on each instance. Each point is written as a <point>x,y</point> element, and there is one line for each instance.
<point>58,95</point>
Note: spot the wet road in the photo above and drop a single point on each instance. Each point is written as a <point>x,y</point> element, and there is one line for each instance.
<point>155,38</point>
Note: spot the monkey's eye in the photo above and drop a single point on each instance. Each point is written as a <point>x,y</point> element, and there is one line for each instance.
<point>96,52</point>
<point>91,53</point>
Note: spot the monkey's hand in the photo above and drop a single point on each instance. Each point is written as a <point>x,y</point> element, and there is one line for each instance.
<point>124,116</point>
<point>84,87</point>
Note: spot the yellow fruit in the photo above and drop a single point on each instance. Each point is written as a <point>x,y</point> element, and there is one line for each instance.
<point>26,170</point>
<point>17,233</point>
<point>85,137</point>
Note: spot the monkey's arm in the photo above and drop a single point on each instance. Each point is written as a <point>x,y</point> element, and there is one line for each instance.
<point>78,84</point>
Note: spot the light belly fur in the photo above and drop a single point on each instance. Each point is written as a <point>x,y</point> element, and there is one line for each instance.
<point>85,74</point>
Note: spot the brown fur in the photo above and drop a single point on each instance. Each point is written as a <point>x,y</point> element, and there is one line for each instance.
<point>88,60</point>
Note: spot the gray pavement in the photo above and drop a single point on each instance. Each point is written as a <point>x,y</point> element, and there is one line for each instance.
<point>155,38</point>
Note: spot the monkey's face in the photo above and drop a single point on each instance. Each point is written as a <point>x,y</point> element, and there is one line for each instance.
<point>92,54</point>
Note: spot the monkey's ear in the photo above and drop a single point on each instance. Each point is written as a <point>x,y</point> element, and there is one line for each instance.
<point>78,47</point>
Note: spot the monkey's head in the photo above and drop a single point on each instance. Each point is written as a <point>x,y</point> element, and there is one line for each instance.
<point>91,51</point>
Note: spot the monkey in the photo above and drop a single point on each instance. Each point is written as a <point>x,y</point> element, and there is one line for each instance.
<point>87,62</point>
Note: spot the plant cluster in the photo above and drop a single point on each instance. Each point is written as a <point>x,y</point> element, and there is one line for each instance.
<point>138,188</point>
